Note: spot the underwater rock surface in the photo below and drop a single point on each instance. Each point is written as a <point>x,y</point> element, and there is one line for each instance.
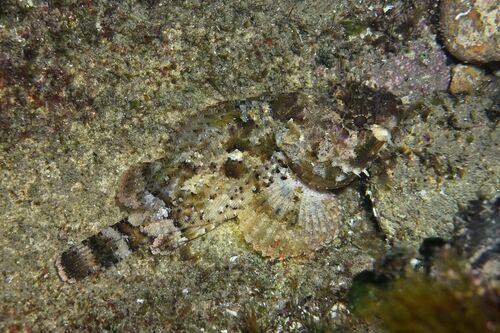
<point>467,79</point>
<point>450,150</point>
<point>471,29</point>
<point>476,237</point>
<point>89,90</point>
<point>404,284</point>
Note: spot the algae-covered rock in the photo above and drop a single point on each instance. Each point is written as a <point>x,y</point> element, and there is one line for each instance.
<point>433,291</point>
<point>441,164</point>
<point>477,237</point>
<point>466,79</point>
<point>471,29</point>
<point>416,72</point>
<point>89,89</point>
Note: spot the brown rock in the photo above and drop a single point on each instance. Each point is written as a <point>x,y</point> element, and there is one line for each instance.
<point>471,29</point>
<point>466,79</point>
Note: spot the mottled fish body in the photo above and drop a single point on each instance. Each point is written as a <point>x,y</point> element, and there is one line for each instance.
<point>271,164</point>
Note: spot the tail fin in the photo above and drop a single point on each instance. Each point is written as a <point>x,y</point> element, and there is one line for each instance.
<point>117,242</point>
<point>100,251</point>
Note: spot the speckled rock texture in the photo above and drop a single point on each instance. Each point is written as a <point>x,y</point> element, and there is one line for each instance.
<point>467,79</point>
<point>471,29</point>
<point>419,70</point>
<point>448,157</point>
<point>89,88</point>
<point>477,237</point>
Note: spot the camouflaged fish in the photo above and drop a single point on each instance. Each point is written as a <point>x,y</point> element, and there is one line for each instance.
<point>271,164</point>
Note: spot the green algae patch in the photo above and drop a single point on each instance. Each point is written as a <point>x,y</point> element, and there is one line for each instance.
<point>419,304</point>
